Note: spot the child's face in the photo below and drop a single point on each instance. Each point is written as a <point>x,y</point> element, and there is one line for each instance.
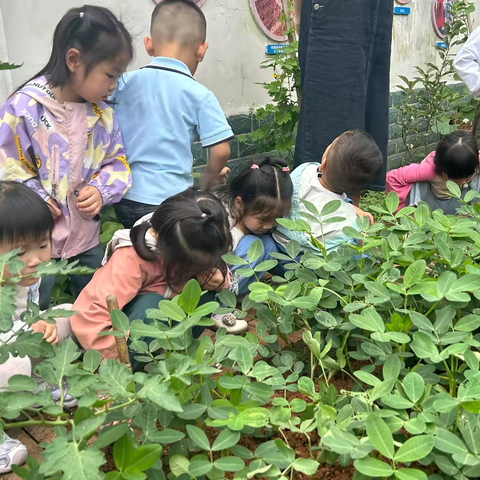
<point>462,182</point>
<point>32,254</point>
<point>259,223</point>
<point>100,82</point>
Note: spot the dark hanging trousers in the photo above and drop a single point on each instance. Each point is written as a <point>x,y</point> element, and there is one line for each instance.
<point>344,55</point>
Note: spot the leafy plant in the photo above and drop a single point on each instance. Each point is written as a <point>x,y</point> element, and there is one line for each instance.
<point>279,119</point>
<point>429,104</point>
<point>395,316</point>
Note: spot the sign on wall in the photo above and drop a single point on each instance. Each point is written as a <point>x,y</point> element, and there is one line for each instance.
<point>267,14</point>
<point>440,15</point>
<point>198,2</point>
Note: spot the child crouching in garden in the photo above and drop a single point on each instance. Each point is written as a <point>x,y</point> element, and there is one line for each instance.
<point>26,223</point>
<point>184,238</point>
<point>254,200</point>
<point>349,164</point>
<point>456,159</point>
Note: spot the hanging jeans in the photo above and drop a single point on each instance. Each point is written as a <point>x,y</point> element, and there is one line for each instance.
<point>344,56</point>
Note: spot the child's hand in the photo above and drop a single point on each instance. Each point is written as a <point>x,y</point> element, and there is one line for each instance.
<point>222,178</point>
<point>48,329</point>
<point>89,201</point>
<point>214,280</point>
<point>362,214</point>
<point>56,212</point>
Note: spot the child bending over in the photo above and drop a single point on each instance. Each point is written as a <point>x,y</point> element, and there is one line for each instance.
<point>349,164</point>
<point>254,200</point>
<point>161,110</point>
<point>185,238</point>
<point>59,137</point>
<point>456,159</point>
<point>26,223</point>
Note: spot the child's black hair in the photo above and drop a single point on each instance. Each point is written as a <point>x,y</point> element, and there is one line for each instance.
<point>353,162</point>
<point>192,233</point>
<point>24,215</point>
<point>264,187</point>
<point>456,156</point>
<point>96,33</point>
<point>178,21</point>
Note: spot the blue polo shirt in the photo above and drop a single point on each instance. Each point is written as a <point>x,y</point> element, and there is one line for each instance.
<point>161,111</point>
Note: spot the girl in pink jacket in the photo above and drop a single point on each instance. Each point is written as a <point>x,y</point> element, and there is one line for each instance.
<point>185,238</point>
<point>456,158</point>
<point>60,138</point>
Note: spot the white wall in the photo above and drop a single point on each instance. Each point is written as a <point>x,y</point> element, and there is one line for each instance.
<point>237,46</point>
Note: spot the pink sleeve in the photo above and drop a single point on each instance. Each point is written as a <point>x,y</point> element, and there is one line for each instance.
<point>401,180</point>
<point>121,276</point>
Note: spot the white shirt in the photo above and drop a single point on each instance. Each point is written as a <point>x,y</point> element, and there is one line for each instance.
<point>467,63</point>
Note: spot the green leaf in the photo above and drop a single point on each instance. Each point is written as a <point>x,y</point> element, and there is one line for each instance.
<point>423,345</point>
<point>144,457</point>
<point>397,402</point>
<point>21,383</point>
<point>306,466</point>
<point>198,468</point>
<point>414,386</point>
<point>160,395</point>
<point>179,465</point>
<point>469,323</point>
<point>467,283</point>
<point>234,260</point>
<point>392,202</point>
<point>448,442</point>
<point>372,467</point>
<point>391,368</point>
<point>116,377</point>
<point>414,273</point>
<point>167,435</point>
<point>229,464</point>
<point>445,282</point>
<point>254,417</point>
<point>266,266</point>
<point>379,435</point>
<point>62,456</point>
<point>415,448</point>
<point>244,359</point>
<point>226,439</point>
<point>190,296</point>
<point>242,452</point>
<point>330,207</point>
<point>410,474</point>
<point>91,360</point>
<point>421,321</point>
<point>120,320</point>
<point>306,386</point>
<point>367,378</point>
<point>198,437</point>
<point>172,310</point>
<point>339,441</point>
<point>255,250</point>
<point>369,320</point>
<point>206,309</point>
<point>305,303</point>
<point>454,188</point>
<point>292,290</point>
<point>8,294</point>
<point>227,297</point>
<point>123,451</point>
<point>111,434</point>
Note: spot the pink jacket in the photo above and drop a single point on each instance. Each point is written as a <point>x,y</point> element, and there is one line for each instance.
<point>56,149</point>
<point>125,275</point>
<point>402,179</point>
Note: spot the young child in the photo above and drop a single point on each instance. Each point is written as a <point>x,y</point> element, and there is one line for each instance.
<point>59,137</point>
<point>26,222</point>
<point>185,238</point>
<point>467,66</point>
<point>161,109</point>
<point>349,164</point>
<point>254,200</point>
<point>456,158</point>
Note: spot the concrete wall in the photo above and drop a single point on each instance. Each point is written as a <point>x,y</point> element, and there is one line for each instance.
<point>237,46</point>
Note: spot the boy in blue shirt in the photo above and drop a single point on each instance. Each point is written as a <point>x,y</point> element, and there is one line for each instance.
<point>161,110</point>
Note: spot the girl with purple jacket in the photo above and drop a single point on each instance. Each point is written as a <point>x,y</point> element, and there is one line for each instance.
<point>60,138</point>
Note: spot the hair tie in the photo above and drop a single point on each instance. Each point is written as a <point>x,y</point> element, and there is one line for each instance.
<point>203,215</point>
<point>82,14</point>
<point>286,169</point>
<point>255,166</point>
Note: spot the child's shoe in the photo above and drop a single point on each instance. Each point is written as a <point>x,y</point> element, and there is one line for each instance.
<point>232,324</point>
<point>68,400</point>
<point>12,452</point>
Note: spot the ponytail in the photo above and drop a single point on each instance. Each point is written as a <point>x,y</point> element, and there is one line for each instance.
<point>137,237</point>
